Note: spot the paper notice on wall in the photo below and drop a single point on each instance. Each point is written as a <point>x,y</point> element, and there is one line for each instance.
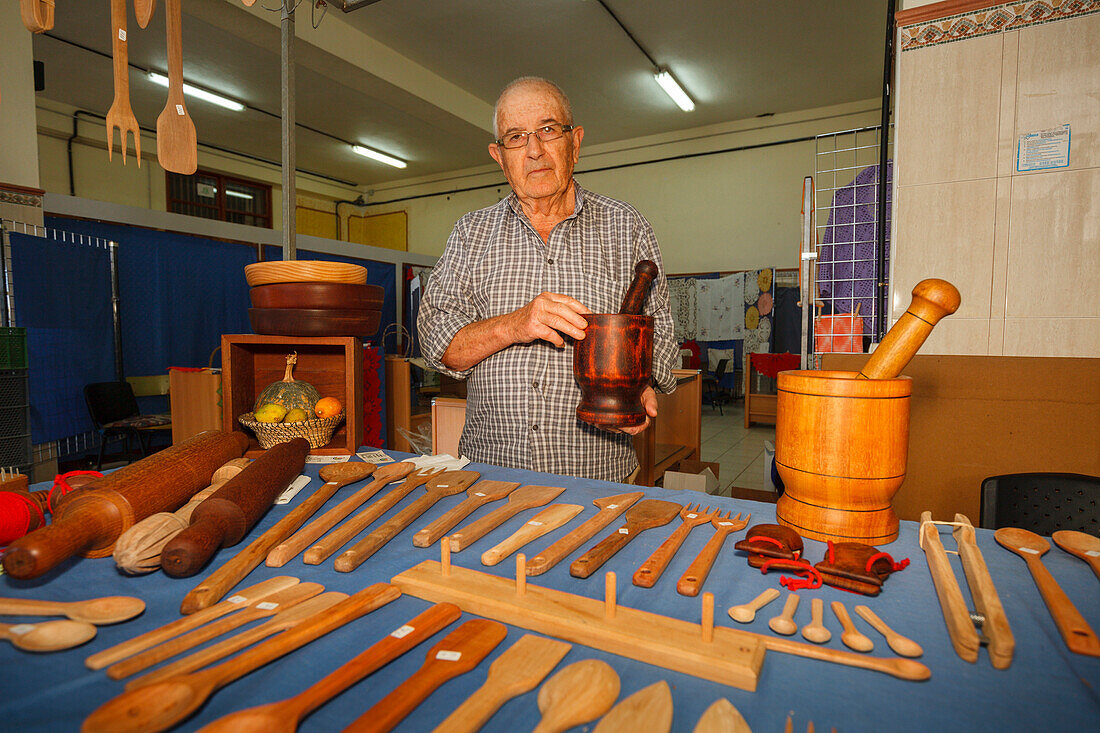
<point>1043,149</point>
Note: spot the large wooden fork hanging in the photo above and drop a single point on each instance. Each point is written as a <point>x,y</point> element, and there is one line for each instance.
<point>121,116</point>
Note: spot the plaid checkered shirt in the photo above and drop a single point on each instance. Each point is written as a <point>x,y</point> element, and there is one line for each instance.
<point>521,401</point>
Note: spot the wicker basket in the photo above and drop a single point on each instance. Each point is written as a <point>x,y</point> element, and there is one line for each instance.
<point>318,431</point>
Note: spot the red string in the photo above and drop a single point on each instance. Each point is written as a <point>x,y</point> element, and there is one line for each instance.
<point>61,482</point>
<point>894,566</point>
<point>15,519</point>
<point>811,580</point>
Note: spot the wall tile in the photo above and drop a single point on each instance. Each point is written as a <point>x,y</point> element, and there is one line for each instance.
<point>1006,122</point>
<point>1052,337</point>
<point>954,335</point>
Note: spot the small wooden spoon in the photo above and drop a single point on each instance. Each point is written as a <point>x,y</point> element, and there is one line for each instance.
<point>815,631</point>
<point>852,637</point>
<point>722,717</point>
<point>644,515</point>
<point>784,622</point>
<point>578,694</point>
<point>901,645</point>
<point>1080,544</point>
<point>98,611</point>
<point>746,612</point>
<point>48,636</point>
<point>648,709</point>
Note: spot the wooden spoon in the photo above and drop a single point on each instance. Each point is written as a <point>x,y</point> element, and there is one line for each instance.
<point>48,636</point>
<point>478,495</point>
<point>544,522</point>
<point>815,631</point>
<point>459,652</point>
<point>578,694</point>
<point>640,517</point>
<point>722,717</point>
<point>650,571</point>
<point>784,622</point>
<point>177,144</point>
<point>285,715</point>
<point>518,670</point>
<point>1078,635</point>
<point>98,611</point>
<point>648,709</point>
<point>852,637</point>
<point>691,582</point>
<point>1080,544</point>
<point>746,612</point>
<point>162,705</point>
<point>143,9</point>
<point>901,645</point>
<point>520,500</point>
<point>610,507</point>
<point>347,531</point>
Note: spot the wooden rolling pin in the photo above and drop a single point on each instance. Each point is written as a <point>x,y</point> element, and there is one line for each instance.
<point>644,274</point>
<point>226,516</point>
<point>91,521</point>
<point>932,300</point>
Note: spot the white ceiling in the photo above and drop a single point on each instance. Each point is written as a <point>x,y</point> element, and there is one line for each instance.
<point>417,78</point>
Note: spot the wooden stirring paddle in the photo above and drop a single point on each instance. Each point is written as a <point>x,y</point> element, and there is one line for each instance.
<point>517,671</point>
<point>691,582</point>
<point>48,636</point>
<point>285,715</point>
<point>650,571</point>
<point>648,709</point>
<point>1078,635</point>
<point>578,694</point>
<point>459,652</point>
<point>519,500</point>
<point>722,717</point>
<point>160,706</point>
<point>177,144</point>
<point>640,517</point>
<point>478,495</point>
<point>609,507</point>
<point>1080,544</point>
<point>98,611</point>
<point>546,521</point>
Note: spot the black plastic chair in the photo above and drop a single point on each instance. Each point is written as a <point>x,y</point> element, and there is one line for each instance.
<point>115,415</point>
<point>1042,502</point>
<point>714,393</point>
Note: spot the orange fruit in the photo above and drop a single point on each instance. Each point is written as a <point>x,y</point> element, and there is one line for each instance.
<point>327,407</point>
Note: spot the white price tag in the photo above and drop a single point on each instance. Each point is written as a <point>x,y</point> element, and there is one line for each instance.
<point>443,486</point>
<point>533,523</point>
<point>724,524</point>
<point>624,530</point>
<point>612,506</point>
<point>291,491</point>
<point>479,493</point>
<point>267,606</point>
<point>179,110</point>
<point>122,34</point>
<point>20,629</point>
<point>236,599</point>
<point>402,632</point>
<point>448,656</point>
<point>1029,551</point>
<point>692,516</point>
<point>1093,553</point>
<point>327,459</point>
<point>374,456</point>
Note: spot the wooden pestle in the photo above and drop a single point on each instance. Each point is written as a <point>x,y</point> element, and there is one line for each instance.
<point>91,521</point>
<point>226,516</point>
<point>644,274</point>
<point>932,300</point>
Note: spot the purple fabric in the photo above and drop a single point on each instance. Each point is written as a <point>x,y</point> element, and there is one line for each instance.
<point>846,254</point>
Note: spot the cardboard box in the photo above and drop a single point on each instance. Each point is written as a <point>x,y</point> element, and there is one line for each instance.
<point>196,400</point>
<point>693,476</point>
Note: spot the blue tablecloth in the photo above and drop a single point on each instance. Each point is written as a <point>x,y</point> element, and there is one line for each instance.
<point>1046,688</point>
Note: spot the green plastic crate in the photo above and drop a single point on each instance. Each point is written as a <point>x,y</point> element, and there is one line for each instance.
<point>13,348</point>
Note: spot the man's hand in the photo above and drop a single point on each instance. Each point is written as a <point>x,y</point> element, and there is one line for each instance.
<point>547,317</point>
<point>649,402</point>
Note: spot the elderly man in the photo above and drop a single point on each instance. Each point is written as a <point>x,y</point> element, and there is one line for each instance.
<point>509,295</point>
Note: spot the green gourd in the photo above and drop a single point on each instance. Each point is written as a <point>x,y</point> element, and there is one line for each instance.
<point>289,392</point>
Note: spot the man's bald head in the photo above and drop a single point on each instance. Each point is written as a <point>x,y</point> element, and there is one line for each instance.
<point>534,83</point>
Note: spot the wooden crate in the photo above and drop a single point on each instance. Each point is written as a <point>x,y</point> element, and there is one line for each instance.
<point>334,365</point>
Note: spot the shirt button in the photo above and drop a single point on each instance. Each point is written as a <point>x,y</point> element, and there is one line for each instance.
<point>535,427</point>
<point>535,384</point>
<point>550,261</point>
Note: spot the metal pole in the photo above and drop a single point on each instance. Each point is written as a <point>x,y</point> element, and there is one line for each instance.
<point>290,227</point>
<point>882,289</point>
<point>807,269</point>
<point>5,306</point>
<point>116,312</point>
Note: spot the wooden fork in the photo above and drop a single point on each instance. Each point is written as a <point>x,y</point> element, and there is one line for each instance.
<point>691,582</point>
<point>650,571</point>
<point>120,115</point>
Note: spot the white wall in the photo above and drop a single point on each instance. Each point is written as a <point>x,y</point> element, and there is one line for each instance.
<point>18,164</point>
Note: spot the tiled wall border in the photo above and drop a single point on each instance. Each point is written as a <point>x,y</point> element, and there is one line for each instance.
<point>994,18</point>
<point>21,195</point>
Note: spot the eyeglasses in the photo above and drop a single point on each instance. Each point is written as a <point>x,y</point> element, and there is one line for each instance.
<point>546,133</point>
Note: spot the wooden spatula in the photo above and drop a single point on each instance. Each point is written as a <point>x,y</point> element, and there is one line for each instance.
<point>640,517</point>
<point>120,115</point>
<point>519,500</point>
<point>478,495</point>
<point>143,9</point>
<point>578,694</point>
<point>518,670</point>
<point>1080,544</point>
<point>609,508</point>
<point>177,144</point>
<point>650,571</point>
<point>1078,635</point>
<point>283,716</point>
<point>347,531</point>
<point>546,521</point>
<point>722,717</point>
<point>458,653</point>
<point>648,709</point>
<point>691,582</point>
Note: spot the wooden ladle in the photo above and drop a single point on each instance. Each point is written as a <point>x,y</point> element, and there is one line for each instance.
<point>1080,544</point>
<point>1076,632</point>
<point>578,694</point>
<point>98,611</point>
<point>48,636</point>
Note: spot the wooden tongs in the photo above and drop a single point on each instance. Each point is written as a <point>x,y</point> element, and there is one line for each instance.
<point>997,634</point>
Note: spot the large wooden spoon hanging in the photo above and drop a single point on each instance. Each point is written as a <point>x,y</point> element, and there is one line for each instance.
<point>177,144</point>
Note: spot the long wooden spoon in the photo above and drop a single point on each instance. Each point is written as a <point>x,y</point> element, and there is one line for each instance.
<point>478,495</point>
<point>609,507</point>
<point>1080,544</point>
<point>143,9</point>
<point>1078,635</point>
<point>578,694</point>
<point>546,521</point>
<point>48,636</point>
<point>98,611</point>
<point>648,709</point>
<point>640,517</point>
<point>160,706</point>
<point>722,717</point>
<point>519,500</point>
<point>691,582</point>
<point>815,631</point>
<point>177,143</point>
<point>285,715</point>
<point>459,652</point>
<point>650,571</point>
<point>902,645</point>
<point>852,637</point>
<point>746,612</point>
<point>517,671</point>
<point>282,553</point>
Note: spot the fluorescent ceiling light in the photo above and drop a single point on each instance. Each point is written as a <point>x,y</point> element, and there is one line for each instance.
<point>380,157</point>
<point>672,89</point>
<point>238,194</point>
<point>199,93</point>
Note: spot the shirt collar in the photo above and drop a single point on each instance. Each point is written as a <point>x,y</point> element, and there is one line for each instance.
<point>578,192</point>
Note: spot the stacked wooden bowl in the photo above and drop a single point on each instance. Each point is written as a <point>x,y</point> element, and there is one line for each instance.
<point>313,298</point>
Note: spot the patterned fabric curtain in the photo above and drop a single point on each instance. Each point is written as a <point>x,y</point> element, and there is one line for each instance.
<point>758,300</point>
<point>682,298</point>
<point>719,308</point>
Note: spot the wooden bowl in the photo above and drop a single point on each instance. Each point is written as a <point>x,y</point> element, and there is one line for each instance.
<point>317,295</point>
<point>296,271</point>
<point>315,322</point>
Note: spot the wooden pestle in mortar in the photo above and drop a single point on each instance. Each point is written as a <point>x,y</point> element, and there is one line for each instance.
<point>644,274</point>
<point>932,300</point>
